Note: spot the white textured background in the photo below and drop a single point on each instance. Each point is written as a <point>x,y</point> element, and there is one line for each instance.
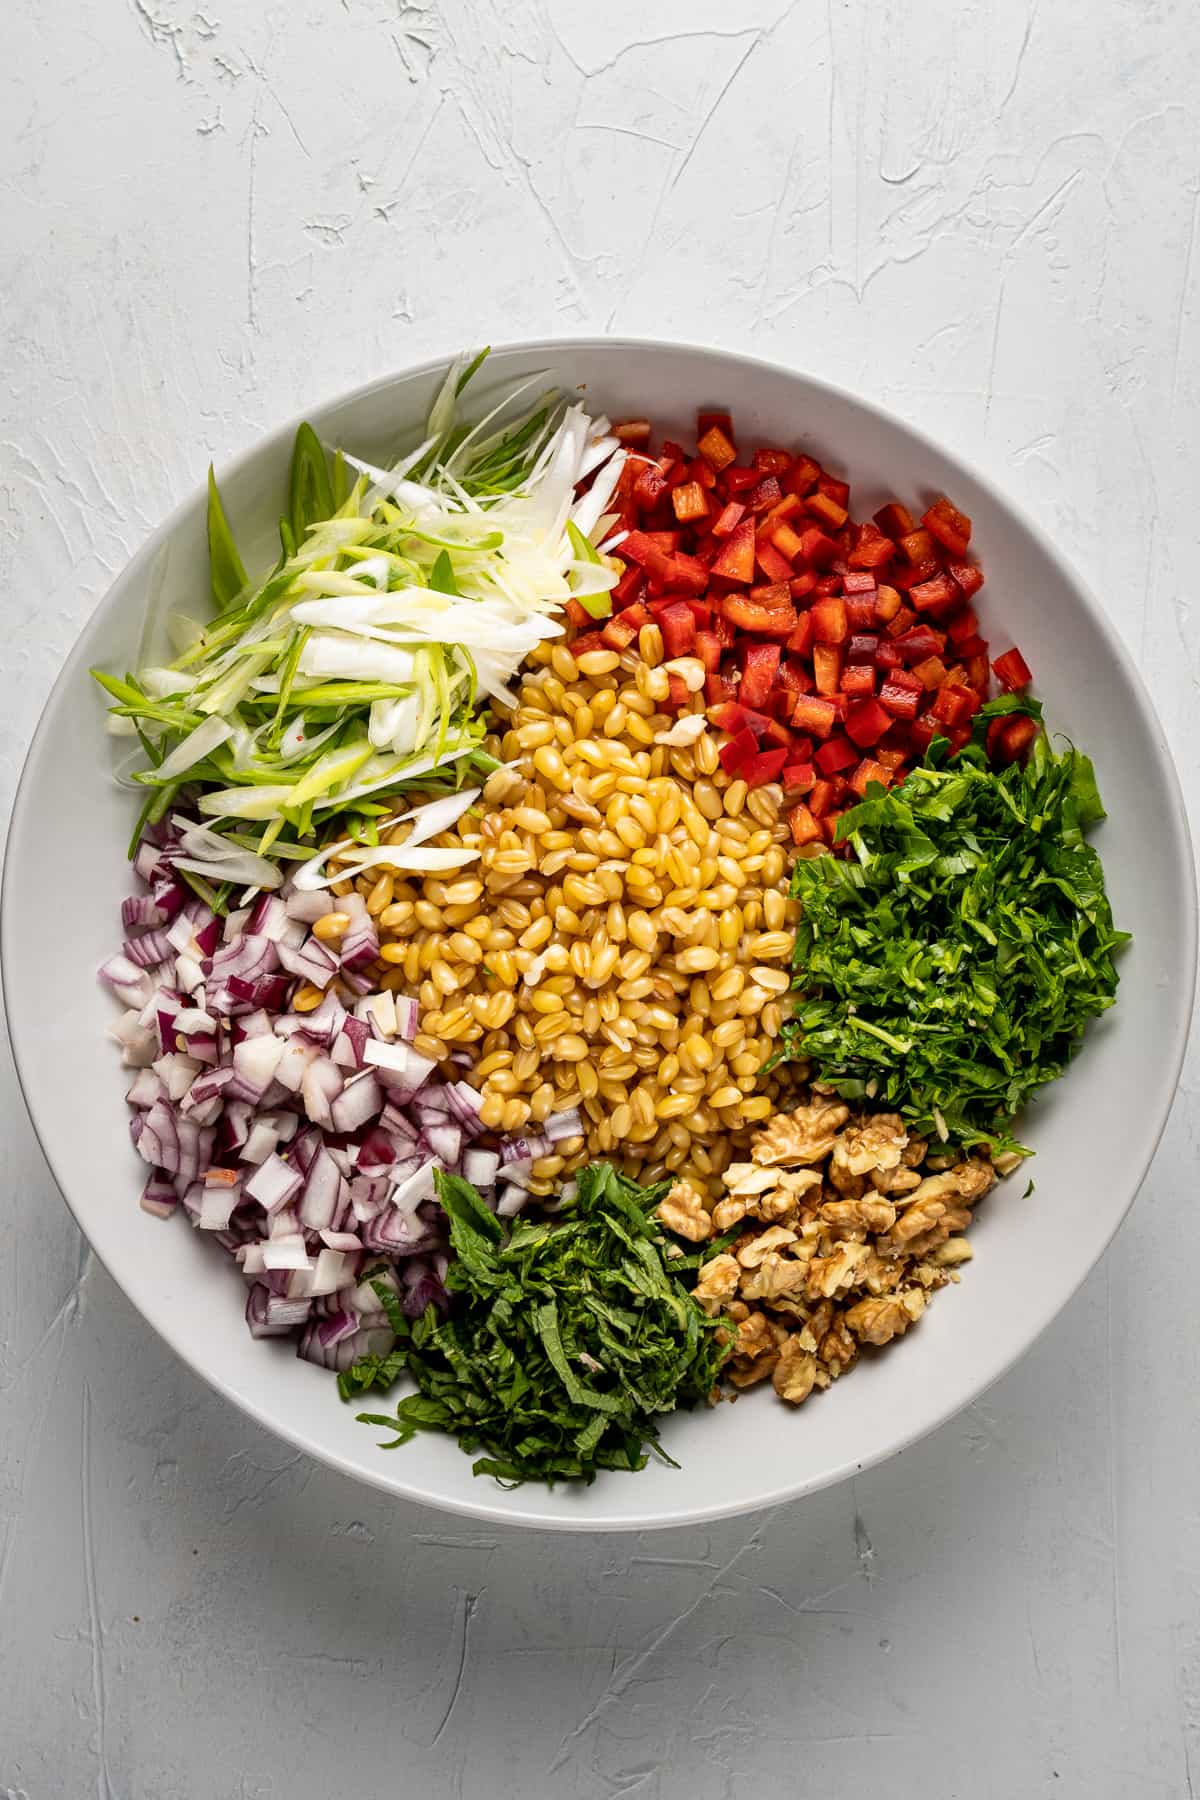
<point>980,211</point>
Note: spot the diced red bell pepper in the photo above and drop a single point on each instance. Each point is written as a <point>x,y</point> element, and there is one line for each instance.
<point>828,587</point>
<point>699,471</point>
<point>776,596</point>
<point>814,714</point>
<point>835,490</point>
<point>887,604</point>
<point>937,595</point>
<point>734,718</point>
<point>749,615</point>
<point>922,733</point>
<point>677,623</point>
<point>702,612</point>
<point>866,722</point>
<point>780,514</point>
<point>821,799</point>
<point>804,827</point>
<point>728,518</point>
<point>788,544</point>
<point>736,560</point>
<point>953,706</point>
<point>1012,671</point>
<point>716,449</point>
<point>799,777</point>
<point>620,631</point>
<point>860,610</point>
<point>871,548</point>
<point>708,649</point>
<point>725,630</point>
<point>760,665</point>
<point>771,461</point>
<point>719,690</point>
<point>587,640</point>
<point>737,752</point>
<point>633,431</point>
<point>819,550</point>
<point>918,547</point>
<point>628,588</point>
<point>794,678</point>
<point>862,647</point>
<point>766,766</point>
<point>895,521</point>
<point>642,547</point>
<point>802,476</point>
<point>950,527</point>
<point>827,667</point>
<point>650,486</point>
<point>915,645</point>
<point>774,566</point>
<point>907,576</point>
<point>766,495</point>
<point>830,625</point>
<point>739,480</point>
<point>931,672</point>
<point>858,680</point>
<point>969,577</point>
<point>690,502</point>
<point>838,754</point>
<point>887,656</point>
<point>826,510</point>
<point>577,615</point>
<point>972,647</point>
<point>869,770</point>
<point>1017,736</point>
<point>858,581</point>
<point>781,703</point>
<point>679,693</point>
<point>964,624</point>
<point>977,670</point>
<point>901,702</point>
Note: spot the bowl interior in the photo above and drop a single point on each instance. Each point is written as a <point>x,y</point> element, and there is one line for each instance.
<point>1094,1133</point>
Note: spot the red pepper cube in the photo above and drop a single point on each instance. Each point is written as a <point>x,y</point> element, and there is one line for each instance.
<point>708,417</point>
<point>766,495</point>
<point>1017,736</point>
<point>838,754</point>
<point>716,449</point>
<point>833,489</point>
<point>858,581</point>
<point>871,548</point>
<point>801,586</point>
<point>866,722</point>
<point>633,431</point>
<point>586,641</point>
<point>869,770</point>
<point>774,566</point>
<point>749,615</point>
<point>829,587</point>
<point>725,631</point>
<point>815,715</point>
<point>786,541</point>
<point>977,670</point>
<point>1012,671</point>
<point>964,624</point>
<point>801,640</point>
<point>971,648</point>
<point>728,518</point>
<point>771,461</point>
<point>577,615</point>
<point>827,668</point>
<point>894,520</point>
<point>819,550</point>
<point>766,766</point>
<point>821,799</point>
<point>931,672</point>
<point>901,702</point>
<point>953,706</point>
<point>937,595</point>
<point>628,588</point>
<point>718,690</point>
<point>689,502</point>
<point>887,656</point>
<point>891,759</point>
<point>830,625</point>
<point>736,560</point>
<point>918,547</point>
<point>951,528</point>
<point>737,752</point>
<point>858,680</point>
<point>699,471</point>
<point>679,693</point>
<point>739,480</point>
<point>802,476</point>
<point>620,631</point>
<point>650,487</point>
<point>708,649</point>
<point>860,611</point>
<point>804,827</point>
<point>863,647</point>
<point>969,577</point>
<point>677,622</point>
<point>798,777</point>
<point>819,506</point>
<point>760,666</point>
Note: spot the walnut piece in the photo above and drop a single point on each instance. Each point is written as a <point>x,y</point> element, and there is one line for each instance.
<point>804,1136</point>
<point>717,1283</point>
<point>795,1372</point>
<point>683,1212</point>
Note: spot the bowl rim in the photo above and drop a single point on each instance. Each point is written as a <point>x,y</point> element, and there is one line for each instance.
<point>476,1503</point>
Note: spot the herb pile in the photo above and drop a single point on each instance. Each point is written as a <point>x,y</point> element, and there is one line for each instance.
<point>950,966</point>
<point>567,1339</point>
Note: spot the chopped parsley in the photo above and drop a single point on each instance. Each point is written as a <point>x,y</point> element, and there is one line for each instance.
<point>948,968</point>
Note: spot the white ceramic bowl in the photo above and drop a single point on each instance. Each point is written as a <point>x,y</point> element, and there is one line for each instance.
<point>1094,1132</point>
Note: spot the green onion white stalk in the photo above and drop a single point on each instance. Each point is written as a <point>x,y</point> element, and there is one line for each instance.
<point>404,600</point>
